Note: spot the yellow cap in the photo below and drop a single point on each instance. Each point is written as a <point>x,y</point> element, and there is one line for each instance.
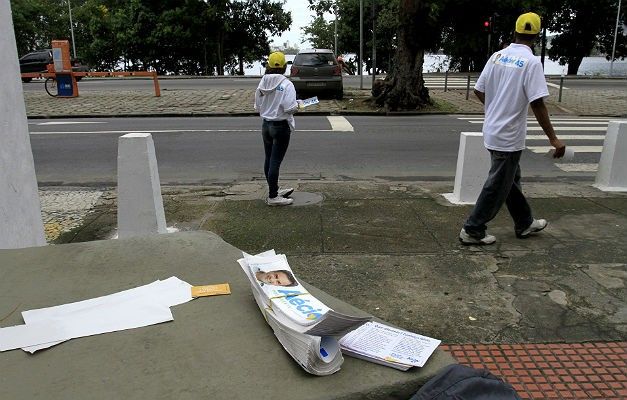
<point>528,23</point>
<point>276,60</point>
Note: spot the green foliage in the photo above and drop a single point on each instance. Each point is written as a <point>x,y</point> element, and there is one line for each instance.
<point>455,28</point>
<point>170,36</point>
<point>211,36</point>
<point>37,22</point>
<point>584,25</point>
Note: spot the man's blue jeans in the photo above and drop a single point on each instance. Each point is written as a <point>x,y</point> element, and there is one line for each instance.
<point>276,139</point>
<point>502,186</point>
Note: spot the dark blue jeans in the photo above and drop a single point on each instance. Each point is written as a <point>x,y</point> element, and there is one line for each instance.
<point>276,139</point>
<point>502,186</point>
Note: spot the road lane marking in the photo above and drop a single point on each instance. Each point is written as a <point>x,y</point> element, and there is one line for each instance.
<point>576,149</point>
<point>66,122</point>
<point>170,131</point>
<point>340,124</point>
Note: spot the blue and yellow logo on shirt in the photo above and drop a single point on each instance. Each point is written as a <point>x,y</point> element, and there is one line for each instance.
<point>508,61</point>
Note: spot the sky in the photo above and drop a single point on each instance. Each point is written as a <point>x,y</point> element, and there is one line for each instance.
<point>301,16</point>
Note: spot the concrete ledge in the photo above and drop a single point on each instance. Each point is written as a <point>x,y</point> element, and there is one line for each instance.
<point>218,348</point>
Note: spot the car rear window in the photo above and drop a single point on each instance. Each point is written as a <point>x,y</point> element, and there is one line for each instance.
<point>314,59</point>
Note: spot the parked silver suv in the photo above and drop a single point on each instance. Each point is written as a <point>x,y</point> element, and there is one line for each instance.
<point>316,72</point>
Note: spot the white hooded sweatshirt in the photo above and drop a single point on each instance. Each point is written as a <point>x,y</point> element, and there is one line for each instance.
<point>275,99</point>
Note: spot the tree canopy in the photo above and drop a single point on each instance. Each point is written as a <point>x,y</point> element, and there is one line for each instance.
<point>581,28</point>
<point>170,36</point>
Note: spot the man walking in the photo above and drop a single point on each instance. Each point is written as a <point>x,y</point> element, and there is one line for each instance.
<point>511,80</point>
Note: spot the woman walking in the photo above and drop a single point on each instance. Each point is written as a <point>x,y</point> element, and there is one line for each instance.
<point>275,100</point>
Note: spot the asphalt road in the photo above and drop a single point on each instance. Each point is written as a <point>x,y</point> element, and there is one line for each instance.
<point>206,150</point>
<point>432,81</point>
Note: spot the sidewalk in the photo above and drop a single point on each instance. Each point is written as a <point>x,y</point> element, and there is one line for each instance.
<point>547,314</point>
<point>239,102</point>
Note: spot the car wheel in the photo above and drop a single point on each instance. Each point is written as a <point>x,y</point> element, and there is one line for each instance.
<point>339,95</point>
<point>26,80</point>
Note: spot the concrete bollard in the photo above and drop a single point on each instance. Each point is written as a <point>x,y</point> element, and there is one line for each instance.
<point>473,165</point>
<point>612,172</point>
<point>20,210</point>
<point>140,206</point>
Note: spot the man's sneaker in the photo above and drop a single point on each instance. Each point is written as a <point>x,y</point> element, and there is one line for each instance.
<point>467,240</point>
<point>278,201</point>
<point>287,192</point>
<point>536,226</point>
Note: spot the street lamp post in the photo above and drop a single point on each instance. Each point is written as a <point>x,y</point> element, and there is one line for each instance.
<point>335,48</point>
<point>615,34</point>
<point>69,7</point>
<point>374,45</point>
<point>361,43</point>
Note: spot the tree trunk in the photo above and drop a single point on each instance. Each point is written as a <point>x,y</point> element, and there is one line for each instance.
<point>404,88</point>
<point>220,54</point>
<point>573,64</point>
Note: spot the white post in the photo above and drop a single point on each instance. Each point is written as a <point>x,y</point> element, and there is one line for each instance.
<point>612,172</point>
<point>473,165</point>
<point>20,210</point>
<point>140,206</point>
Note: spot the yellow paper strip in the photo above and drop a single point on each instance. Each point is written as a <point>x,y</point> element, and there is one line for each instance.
<point>211,290</point>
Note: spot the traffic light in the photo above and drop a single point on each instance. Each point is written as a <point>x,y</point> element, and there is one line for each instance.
<point>487,25</point>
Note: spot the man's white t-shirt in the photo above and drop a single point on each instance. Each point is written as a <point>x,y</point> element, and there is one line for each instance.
<point>512,78</point>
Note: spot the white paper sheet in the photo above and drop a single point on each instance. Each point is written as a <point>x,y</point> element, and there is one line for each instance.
<point>132,308</point>
<point>102,318</point>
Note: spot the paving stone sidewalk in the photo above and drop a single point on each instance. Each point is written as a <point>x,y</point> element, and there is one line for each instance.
<point>144,103</point>
<point>210,102</point>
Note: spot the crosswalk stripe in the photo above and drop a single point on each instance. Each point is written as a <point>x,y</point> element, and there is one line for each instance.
<point>576,149</point>
<point>573,124</point>
<point>530,119</point>
<point>582,167</point>
<point>340,124</point>
<point>555,85</point>
<point>570,128</point>
<point>568,137</point>
<point>556,122</point>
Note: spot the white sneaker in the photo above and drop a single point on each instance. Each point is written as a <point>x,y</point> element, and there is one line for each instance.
<point>278,201</point>
<point>286,192</point>
<point>536,226</point>
<point>466,239</point>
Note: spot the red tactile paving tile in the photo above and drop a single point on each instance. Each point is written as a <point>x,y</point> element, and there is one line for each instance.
<point>560,371</point>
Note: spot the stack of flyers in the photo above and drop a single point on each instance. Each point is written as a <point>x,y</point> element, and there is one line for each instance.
<point>306,327</point>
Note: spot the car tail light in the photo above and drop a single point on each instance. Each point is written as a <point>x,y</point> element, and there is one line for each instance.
<point>337,70</point>
<point>293,71</point>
